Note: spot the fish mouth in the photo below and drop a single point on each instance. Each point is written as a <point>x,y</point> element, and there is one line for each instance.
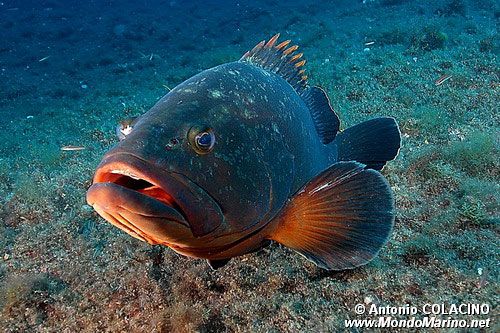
<point>150,204</point>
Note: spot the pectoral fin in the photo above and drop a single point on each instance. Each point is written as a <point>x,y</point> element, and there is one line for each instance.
<point>340,219</point>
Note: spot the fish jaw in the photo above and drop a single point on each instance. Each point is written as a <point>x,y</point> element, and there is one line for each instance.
<point>152,205</point>
<point>139,215</point>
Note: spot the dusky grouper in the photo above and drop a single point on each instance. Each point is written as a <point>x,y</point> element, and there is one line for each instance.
<point>246,153</point>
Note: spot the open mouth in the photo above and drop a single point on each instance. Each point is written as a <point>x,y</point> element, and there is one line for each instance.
<point>151,204</point>
<point>126,195</point>
<point>133,182</point>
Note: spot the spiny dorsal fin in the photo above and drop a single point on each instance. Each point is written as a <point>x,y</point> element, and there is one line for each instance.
<point>284,61</point>
<point>279,59</point>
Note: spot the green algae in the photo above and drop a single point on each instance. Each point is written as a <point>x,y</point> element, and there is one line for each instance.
<point>476,155</point>
<point>428,39</point>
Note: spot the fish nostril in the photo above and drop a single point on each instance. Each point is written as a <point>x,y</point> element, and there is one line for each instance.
<point>171,144</point>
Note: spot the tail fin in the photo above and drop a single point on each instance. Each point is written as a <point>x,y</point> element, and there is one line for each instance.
<point>340,219</point>
<point>373,142</point>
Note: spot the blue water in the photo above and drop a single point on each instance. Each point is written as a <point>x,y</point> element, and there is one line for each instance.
<point>70,70</point>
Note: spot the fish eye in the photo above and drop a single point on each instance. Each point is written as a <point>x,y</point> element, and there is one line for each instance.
<point>203,140</point>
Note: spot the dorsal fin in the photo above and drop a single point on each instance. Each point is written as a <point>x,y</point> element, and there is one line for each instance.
<point>326,121</point>
<point>284,61</point>
<point>279,59</point>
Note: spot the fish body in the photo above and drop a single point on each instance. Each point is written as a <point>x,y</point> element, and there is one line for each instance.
<point>245,153</point>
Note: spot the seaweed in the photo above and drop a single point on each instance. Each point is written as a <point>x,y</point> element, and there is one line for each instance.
<point>428,39</point>
<point>432,122</point>
<point>473,211</point>
<point>29,296</point>
<point>418,250</point>
<point>476,155</point>
<point>489,45</point>
<point>393,37</point>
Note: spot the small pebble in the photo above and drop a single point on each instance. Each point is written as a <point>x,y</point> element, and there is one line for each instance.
<point>368,300</point>
<point>6,256</point>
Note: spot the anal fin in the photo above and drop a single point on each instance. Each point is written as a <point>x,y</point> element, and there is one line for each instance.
<point>340,219</point>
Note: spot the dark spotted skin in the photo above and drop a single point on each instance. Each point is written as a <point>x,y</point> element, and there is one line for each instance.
<point>266,148</point>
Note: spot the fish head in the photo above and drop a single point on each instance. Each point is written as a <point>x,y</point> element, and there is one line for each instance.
<point>191,173</point>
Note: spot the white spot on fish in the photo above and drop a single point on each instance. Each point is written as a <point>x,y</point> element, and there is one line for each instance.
<point>188,90</point>
<point>247,114</point>
<point>215,93</point>
<point>275,128</point>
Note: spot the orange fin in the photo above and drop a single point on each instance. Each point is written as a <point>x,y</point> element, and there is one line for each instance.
<point>280,60</point>
<point>340,219</point>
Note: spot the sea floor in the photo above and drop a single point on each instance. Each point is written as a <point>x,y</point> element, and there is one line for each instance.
<point>69,72</point>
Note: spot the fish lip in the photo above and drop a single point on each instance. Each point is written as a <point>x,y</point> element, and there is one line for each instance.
<point>135,168</point>
<point>136,222</point>
<point>122,194</point>
<point>193,203</point>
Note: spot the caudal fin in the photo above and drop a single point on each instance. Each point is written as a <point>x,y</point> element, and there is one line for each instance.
<point>340,219</point>
<point>373,142</point>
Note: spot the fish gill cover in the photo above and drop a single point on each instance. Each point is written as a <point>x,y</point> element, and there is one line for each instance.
<point>71,71</point>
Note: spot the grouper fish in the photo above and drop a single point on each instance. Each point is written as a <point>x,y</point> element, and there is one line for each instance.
<point>247,153</point>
